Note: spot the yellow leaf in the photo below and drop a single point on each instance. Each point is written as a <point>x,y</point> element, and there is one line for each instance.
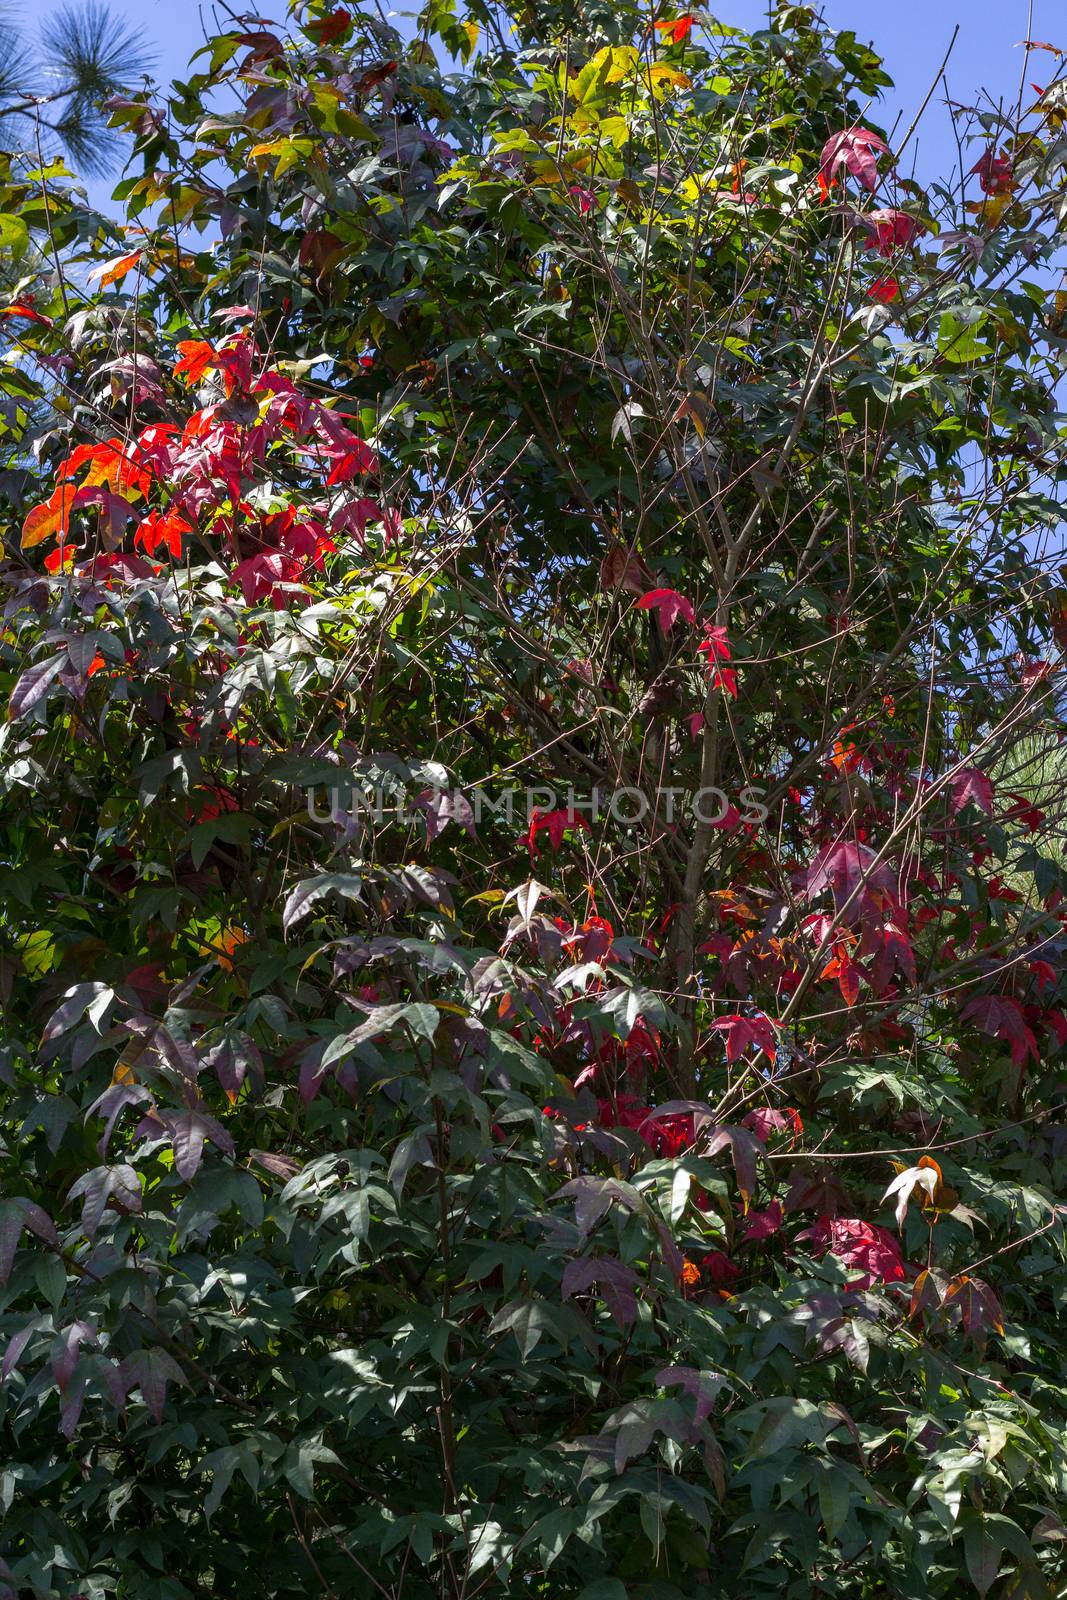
<point>990,210</point>
<point>664,77</point>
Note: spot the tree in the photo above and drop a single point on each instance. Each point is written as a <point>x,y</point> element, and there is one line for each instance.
<point>53,91</point>
<point>647,1186</point>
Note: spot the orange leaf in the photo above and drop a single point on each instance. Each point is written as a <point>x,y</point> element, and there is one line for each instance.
<point>108,464</point>
<point>50,518</point>
<point>196,356</point>
<point>112,271</point>
<point>21,309</point>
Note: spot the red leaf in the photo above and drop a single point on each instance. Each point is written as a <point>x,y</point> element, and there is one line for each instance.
<point>719,1269</point>
<point>555,824</point>
<point>890,231</point>
<point>978,1305</point>
<point>760,1225</point>
<point>162,528</point>
<point>329,29</point>
<point>995,173</point>
<point>622,568</point>
<point>865,1246</point>
<point>842,967</point>
<point>373,77</point>
<point>668,605</point>
<point>972,786</point>
<point>111,271</point>
<point>741,1032</point>
<point>320,251</point>
<point>715,646</point>
<point>766,1120</point>
<point>1002,1017</point>
<point>49,519</point>
<point>677,30</point>
<point>853,148</point>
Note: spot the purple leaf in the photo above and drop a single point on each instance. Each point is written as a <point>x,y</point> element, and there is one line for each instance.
<point>972,786</point>
<point>119,1184</point>
<point>17,1345</point>
<point>618,1284</point>
<point>188,1130</point>
<point>151,1371</point>
<point>594,1197</point>
<point>65,1350</point>
<point>16,1214</point>
<point>34,685</point>
<point>702,1385</point>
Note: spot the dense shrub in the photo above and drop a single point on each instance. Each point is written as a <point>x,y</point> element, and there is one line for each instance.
<point>650,1190</point>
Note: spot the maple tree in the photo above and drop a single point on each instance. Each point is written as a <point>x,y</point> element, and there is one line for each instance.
<point>651,1185</point>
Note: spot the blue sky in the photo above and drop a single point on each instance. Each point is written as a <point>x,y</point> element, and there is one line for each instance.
<point>912,35</point>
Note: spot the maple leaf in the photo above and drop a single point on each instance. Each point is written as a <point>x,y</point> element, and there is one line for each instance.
<point>890,230</point>
<point>110,565</point>
<point>22,308</point>
<point>109,463</point>
<point>1023,810</point>
<point>112,271</point>
<point>847,972</point>
<point>1057,1023</point>
<point>196,356</point>
<point>741,1032</point>
<point>870,1249</point>
<point>995,173</point>
<point>50,518</point>
<point>883,290</point>
<point>852,872</point>
<point>894,949</point>
<point>320,251</point>
<point>744,1147</point>
<point>1002,1017</point>
<point>555,824</point>
<point>668,605</point>
<point>978,1306</point>
<point>676,30</point>
<point>766,1120</point>
<point>623,568</point>
<point>373,77</point>
<point>972,786</point>
<point>760,1225</point>
<point>715,645</point>
<point>719,1269</point>
<point>328,29</point>
<point>585,199</point>
<point>852,148</point>
<point>348,452</point>
<point>1045,973</point>
<point>272,575</point>
<point>618,1284</point>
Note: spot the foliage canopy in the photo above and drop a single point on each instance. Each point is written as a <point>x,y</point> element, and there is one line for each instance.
<point>653,1193</point>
